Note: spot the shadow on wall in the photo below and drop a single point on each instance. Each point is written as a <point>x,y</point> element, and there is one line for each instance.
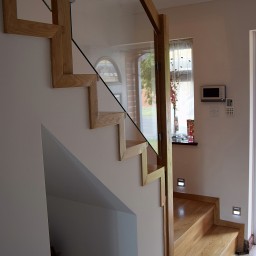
<point>85,218</point>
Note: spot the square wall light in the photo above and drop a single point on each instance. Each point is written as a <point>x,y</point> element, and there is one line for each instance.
<point>236,211</point>
<point>181,182</point>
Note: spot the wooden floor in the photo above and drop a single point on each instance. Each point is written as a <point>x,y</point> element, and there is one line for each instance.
<point>195,232</point>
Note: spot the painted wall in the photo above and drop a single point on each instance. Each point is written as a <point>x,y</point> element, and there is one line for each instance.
<point>85,218</point>
<point>79,229</point>
<point>219,165</point>
<point>27,101</point>
<point>23,221</point>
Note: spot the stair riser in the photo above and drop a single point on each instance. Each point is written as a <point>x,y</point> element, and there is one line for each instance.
<point>183,245</point>
<point>230,249</point>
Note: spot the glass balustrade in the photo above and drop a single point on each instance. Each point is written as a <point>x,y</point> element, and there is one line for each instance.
<point>110,35</point>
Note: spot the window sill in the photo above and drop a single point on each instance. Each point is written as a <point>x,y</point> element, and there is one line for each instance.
<point>185,143</point>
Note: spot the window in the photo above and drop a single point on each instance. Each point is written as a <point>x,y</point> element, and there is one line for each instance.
<point>182,90</point>
<point>182,93</point>
<point>108,71</point>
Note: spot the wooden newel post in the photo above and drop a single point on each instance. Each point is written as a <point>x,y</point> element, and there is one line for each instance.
<point>162,48</point>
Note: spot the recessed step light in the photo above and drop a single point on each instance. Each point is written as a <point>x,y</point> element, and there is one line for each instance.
<point>236,211</point>
<point>181,182</point>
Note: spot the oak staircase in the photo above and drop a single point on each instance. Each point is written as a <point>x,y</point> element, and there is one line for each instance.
<point>198,229</point>
<point>185,239</point>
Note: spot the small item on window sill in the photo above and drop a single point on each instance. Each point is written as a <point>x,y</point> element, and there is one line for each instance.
<point>190,130</point>
<point>179,137</point>
<point>183,139</point>
<point>190,138</point>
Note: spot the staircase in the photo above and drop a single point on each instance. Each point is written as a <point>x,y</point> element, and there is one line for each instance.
<point>63,77</point>
<point>196,220</point>
<point>198,230</point>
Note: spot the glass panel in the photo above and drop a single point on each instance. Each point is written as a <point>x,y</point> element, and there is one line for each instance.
<point>113,42</point>
<point>148,117</point>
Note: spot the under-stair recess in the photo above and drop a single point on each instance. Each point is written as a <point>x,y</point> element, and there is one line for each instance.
<point>192,225</point>
<point>198,229</point>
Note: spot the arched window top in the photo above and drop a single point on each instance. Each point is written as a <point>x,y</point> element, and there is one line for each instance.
<point>108,70</point>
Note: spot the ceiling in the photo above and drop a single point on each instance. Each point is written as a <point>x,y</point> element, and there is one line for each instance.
<point>134,6</point>
<point>162,4</point>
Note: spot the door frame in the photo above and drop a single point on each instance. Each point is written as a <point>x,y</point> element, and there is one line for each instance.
<point>252,138</point>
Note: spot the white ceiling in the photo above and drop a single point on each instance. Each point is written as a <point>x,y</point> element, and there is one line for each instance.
<point>162,4</point>
<point>134,6</point>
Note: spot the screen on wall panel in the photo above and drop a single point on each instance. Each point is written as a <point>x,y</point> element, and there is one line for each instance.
<point>211,92</point>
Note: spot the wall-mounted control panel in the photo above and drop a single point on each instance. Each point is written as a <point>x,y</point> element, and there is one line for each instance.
<point>229,107</point>
<point>213,93</point>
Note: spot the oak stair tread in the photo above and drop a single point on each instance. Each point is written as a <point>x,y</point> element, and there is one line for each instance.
<point>108,118</point>
<point>195,232</point>
<point>154,167</point>
<point>131,143</point>
<point>216,242</point>
<point>133,148</point>
<point>187,213</point>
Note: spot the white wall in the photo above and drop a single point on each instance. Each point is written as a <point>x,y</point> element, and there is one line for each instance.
<point>219,165</point>
<point>23,218</point>
<point>78,229</point>
<point>85,218</point>
<point>27,100</point>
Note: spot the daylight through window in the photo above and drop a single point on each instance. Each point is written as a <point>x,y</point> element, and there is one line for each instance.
<point>182,90</point>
